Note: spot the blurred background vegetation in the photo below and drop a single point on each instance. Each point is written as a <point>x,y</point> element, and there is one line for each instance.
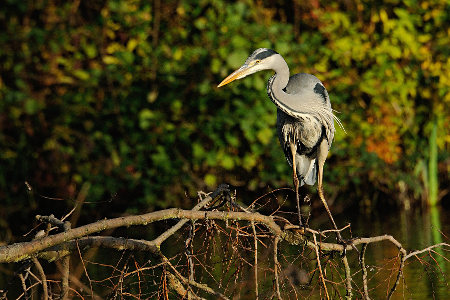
<point>119,99</point>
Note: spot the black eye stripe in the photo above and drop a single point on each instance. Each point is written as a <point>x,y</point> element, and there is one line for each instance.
<point>265,54</point>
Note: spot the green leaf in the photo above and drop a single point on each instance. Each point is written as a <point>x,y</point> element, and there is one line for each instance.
<point>146,117</point>
<point>31,106</point>
<point>236,59</point>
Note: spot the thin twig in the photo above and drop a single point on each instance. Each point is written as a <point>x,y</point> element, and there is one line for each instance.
<point>414,253</point>
<point>75,281</point>
<point>24,285</point>
<point>399,274</point>
<point>336,230</point>
<point>81,198</point>
<point>190,250</point>
<point>201,286</point>
<point>43,277</point>
<point>164,236</point>
<point>256,259</point>
<point>85,271</point>
<point>28,288</point>
<point>178,287</point>
<point>316,248</point>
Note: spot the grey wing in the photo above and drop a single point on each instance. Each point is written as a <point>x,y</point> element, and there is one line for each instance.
<point>309,87</point>
<point>306,130</point>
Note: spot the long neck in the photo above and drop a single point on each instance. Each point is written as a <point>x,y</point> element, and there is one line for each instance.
<point>296,105</point>
<point>281,78</point>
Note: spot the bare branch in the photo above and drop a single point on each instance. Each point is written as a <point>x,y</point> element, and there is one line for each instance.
<point>256,259</point>
<point>65,270</point>
<point>65,277</point>
<point>348,278</point>
<point>399,274</point>
<point>58,246</point>
<point>364,271</point>
<point>164,236</point>
<point>177,286</point>
<point>186,281</point>
<point>24,286</point>
<point>85,271</point>
<point>63,226</point>
<point>414,253</point>
<point>43,277</point>
<point>20,251</point>
<point>276,265</point>
<point>316,248</point>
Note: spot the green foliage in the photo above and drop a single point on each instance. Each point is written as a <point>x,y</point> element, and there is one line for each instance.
<point>122,94</point>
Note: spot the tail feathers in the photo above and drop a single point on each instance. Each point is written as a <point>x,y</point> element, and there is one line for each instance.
<point>306,170</point>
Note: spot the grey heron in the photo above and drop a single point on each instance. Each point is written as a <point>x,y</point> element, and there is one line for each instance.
<point>305,120</point>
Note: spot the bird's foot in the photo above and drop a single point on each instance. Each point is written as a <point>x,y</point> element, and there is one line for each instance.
<point>296,181</point>
<point>344,243</point>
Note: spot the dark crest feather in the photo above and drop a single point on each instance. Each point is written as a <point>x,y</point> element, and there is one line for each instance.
<point>260,54</point>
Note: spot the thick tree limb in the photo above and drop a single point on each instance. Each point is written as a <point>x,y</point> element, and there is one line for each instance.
<point>20,251</point>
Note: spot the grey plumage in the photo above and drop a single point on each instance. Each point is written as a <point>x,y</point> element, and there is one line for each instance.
<point>305,120</point>
<point>307,132</point>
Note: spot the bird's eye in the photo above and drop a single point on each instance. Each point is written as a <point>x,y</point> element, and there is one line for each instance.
<point>257,61</point>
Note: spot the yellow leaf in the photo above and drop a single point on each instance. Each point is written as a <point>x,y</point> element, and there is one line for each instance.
<point>110,60</point>
<point>265,135</point>
<point>210,180</point>
<point>114,47</point>
<point>178,54</point>
<point>383,16</point>
<point>131,45</point>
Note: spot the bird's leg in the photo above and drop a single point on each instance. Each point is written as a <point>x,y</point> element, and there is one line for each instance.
<point>321,157</point>
<point>322,198</point>
<point>296,182</point>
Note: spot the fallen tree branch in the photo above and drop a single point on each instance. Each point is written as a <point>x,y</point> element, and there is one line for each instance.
<point>25,250</point>
<point>20,251</point>
<point>57,246</point>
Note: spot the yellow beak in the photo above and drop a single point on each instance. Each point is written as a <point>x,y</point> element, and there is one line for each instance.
<point>235,75</point>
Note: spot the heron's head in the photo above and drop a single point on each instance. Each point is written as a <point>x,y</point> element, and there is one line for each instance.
<point>260,59</point>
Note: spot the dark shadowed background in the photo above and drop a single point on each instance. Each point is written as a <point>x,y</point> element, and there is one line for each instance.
<point>115,102</point>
